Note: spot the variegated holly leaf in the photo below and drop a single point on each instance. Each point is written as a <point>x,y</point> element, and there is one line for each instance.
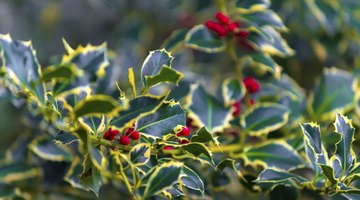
<point>175,40</point>
<point>60,73</point>
<point>275,45</point>
<point>199,151</point>
<point>140,154</point>
<point>162,178</point>
<point>47,149</point>
<point>264,118</point>
<point>271,177</point>
<point>266,63</point>
<point>18,59</point>
<point>206,110</point>
<point>252,5</point>
<point>163,121</point>
<point>344,150</point>
<point>202,39</point>
<point>268,156</point>
<point>264,18</point>
<point>229,163</point>
<point>154,63</point>
<point>64,138</point>
<point>204,136</point>
<point>92,59</point>
<point>98,105</point>
<point>191,180</point>
<point>138,107</point>
<point>233,89</point>
<point>165,75</point>
<point>326,99</point>
<point>97,158</point>
<point>18,171</point>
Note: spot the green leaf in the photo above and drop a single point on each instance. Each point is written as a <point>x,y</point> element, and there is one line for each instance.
<point>47,149</point>
<point>264,118</point>
<point>344,151</point>
<point>272,177</point>
<point>140,154</point>
<point>165,75</point>
<point>191,180</point>
<point>264,18</point>
<point>253,5</point>
<point>163,121</point>
<point>199,150</point>
<point>227,162</point>
<point>201,38</point>
<point>65,138</point>
<point>204,136</point>
<point>207,111</point>
<point>268,156</point>
<point>162,178</point>
<point>176,39</point>
<point>18,59</point>
<point>154,63</point>
<point>61,72</point>
<point>233,89</point>
<point>329,173</point>
<point>13,172</point>
<point>97,158</point>
<point>266,63</point>
<point>276,46</point>
<point>97,105</point>
<point>92,59</point>
<point>326,99</point>
<point>138,107</point>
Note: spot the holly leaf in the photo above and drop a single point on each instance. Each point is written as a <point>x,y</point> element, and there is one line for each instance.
<point>201,38</point>
<point>233,89</point>
<point>163,121</point>
<point>162,178</point>
<point>140,154</point>
<point>47,149</point>
<point>206,110</point>
<point>268,156</point>
<point>264,118</point>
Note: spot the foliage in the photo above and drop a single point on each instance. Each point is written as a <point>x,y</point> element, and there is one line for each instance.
<point>163,132</point>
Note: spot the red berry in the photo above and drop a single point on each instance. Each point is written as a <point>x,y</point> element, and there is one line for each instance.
<point>222,18</point>
<point>251,84</point>
<point>252,101</point>
<point>210,24</point>
<point>124,140</point>
<point>220,30</point>
<point>168,148</point>
<point>185,141</point>
<point>129,130</point>
<point>135,135</point>
<point>237,110</point>
<point>243,33</point>
<point>110,134</point>
<point>233,26</point>
<point>185,131</point>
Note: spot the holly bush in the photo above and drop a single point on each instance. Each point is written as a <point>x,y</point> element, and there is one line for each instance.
<point>178,127</point>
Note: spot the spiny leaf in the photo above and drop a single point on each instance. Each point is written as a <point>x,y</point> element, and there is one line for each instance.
<point>191,180</point>
<point>203,136</point>
<point>47,149</point>
<point>344,151</point>
<point>165,75</point>
<point>60,73</point>
<point>163,121</point>
<point>138,107</point>
<point>97,105</point>
<point>13,172</point>
<point>233,89</point>
<point>268,156</point>
<point>140,154</point>
<point>154,62</point>
<point>201,38</point>
<point>206,110</point>
<point>264,118</point>
<point>162,178</point>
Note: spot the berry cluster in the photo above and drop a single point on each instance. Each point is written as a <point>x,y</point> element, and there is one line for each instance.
<point>252,86</point>
<point>130,134</point>
<point>225,26</point>
<point>184,132</point>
